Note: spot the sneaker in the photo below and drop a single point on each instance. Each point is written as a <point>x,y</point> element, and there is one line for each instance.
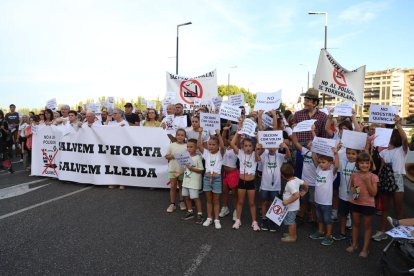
<point>171,208</point>
<point>317,235</point>
<point>237,224</point>
<point>379,236</point>
<point>255,226</point>
<point>234,215</point>
<point>393,222</point>
<point>207,222</point>
<point>111,186</point>
<point>287,238</point>
<point>327,241</point>
<point>339,237</point>
<point>182,206</point>
<point>224,211</point>
<point>285,235</point>
<point>272,226</point>
<point>188,215</point>
<point>199,219</point>
<point>122,187</point>
<point>265,224</point>
<point>217,224</point>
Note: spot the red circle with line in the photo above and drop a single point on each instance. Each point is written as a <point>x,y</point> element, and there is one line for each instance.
<point>339,78</point>
<point>190,89</point>
<point>277,210</point>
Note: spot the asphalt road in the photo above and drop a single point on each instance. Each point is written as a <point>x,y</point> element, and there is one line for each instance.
<point>69,228</point>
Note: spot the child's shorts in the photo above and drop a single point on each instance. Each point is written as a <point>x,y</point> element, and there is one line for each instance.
<point>215,186</point>
<point>171,175</point>
<point>310,195</point>
<point>290,218</point>
<point>192,193</point>
<point>268,195</point>
<point>246,185</point>
<point>364,210</point>
<point>231,179</point>
<point>399,181</point>
<point>343,207</point>
<point>324,213</point>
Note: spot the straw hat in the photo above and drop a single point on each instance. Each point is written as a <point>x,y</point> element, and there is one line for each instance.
<point>312,93</point>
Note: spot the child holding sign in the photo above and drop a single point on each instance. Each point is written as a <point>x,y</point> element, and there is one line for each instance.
<point>192,182</point>
<point>291,198</point>
<point>213,157</point>
<point>270,185</point>
<point>175,171</point>
<point>325,176</point>
<point>248,164</point>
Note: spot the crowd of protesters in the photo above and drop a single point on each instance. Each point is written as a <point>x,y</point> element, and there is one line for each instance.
<point>317,188</point>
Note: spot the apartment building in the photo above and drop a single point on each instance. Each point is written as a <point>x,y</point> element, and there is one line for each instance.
<point>388,87</point>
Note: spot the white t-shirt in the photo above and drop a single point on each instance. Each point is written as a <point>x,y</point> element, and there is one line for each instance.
<point>192,134</point>
<point>192,180</point>
<point>248,163</point>
<point>288,130</point>
<point>271,178</point>
<point>22,129</point>
<point>121,123</point>
<point>346,168</point>
<point>230,158</point>
<point>397,157</point>
<point>292,186</point>
<point>309,168</point>
<point>214,162</point>
<point>324,186</point>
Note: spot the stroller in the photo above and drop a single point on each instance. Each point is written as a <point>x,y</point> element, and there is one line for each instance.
<point>397,258</point>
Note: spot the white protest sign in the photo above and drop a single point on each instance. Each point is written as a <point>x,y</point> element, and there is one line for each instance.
<point>111,105</point>
<point>249,127</point>
<point>334,80</point>
<point>353,139</point>
<point>180,121</point>
<point>183,158</point>
<point>383,114</point>
<point>197,102</point>
<point>403,232</point>
<point>51,104</point>
<point>230,112</point>
<point>343,109</point>
<point>246,109</point>
<point>304,126</point>
<point>95,108</point>
<point>277,211</point>
<point>324,110</point>
<point>323,146</point>
<point>170,95</point>
<point>267,121</point>
<point>169,124</point>
<point>187,89</point>
<point>271,139</point>
<point>216,101</point>
<point>236,100</point>
<point>268,101</point>
<point>151,104</point>
<point>209,121</point>
<point>382,137</point>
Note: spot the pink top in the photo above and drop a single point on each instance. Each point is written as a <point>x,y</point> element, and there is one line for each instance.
<point>365,199</point>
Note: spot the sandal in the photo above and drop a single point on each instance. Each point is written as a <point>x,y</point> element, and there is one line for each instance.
<point>364,254</point>
<point>351,249</point>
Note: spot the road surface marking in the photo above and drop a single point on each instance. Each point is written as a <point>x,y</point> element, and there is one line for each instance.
<point>205,248</point>
<point>43,203</point>
<point>20,189</point>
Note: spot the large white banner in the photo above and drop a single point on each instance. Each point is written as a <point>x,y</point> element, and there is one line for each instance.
<point>334,80</point>
<point>203,87</point>
<point>103,155</point>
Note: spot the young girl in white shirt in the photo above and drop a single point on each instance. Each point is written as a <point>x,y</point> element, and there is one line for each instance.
<point>248,164</point>
<point>212,185</point>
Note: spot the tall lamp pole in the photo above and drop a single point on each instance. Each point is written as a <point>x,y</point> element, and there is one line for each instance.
<point>307,68</point>
<point>228,78</point>
<point>176,56</point>
<point>326,39</point>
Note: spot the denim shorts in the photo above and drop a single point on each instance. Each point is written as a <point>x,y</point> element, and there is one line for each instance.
<point>324,213</point>
<point>268,195</point>
<point>192,193</point>
<point>344,207</point>
<point>399,180</point>
<point>212,183</point>
<point>290,218</point>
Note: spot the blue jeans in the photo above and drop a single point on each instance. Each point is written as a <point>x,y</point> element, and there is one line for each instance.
<point>324,213</point>
<point>212,183</point>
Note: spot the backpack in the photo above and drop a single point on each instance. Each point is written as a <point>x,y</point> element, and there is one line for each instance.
<point>387,179</point>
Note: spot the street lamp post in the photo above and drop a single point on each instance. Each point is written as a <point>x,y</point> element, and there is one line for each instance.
<point>307,68</point>
<point>176,56</point>
<point>228,78</point>
<point>326,39</point>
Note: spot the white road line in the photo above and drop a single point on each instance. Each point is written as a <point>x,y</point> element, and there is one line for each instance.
<point>31,182</point>
<point>20,189</point>
<point>205,248</point>
<point>43,203</point>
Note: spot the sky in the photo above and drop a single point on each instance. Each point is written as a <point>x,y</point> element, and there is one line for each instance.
<point>77,50</point>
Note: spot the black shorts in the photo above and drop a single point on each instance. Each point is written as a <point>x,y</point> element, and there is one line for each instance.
<point>246,185</point>
<point>344,207</point>
<point>363,210</point>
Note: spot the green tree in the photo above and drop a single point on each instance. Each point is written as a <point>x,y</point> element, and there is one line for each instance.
<point>249,98</point>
